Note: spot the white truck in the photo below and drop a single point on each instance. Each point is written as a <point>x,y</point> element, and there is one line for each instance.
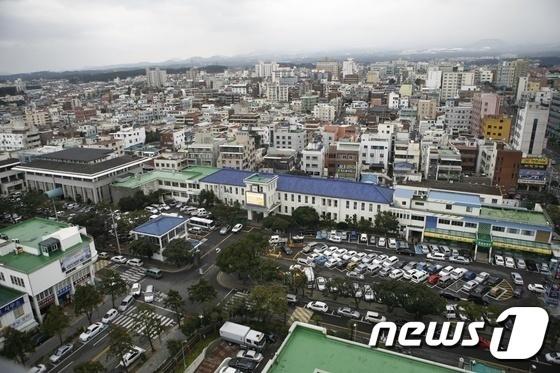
<point>310,275</point>
<point>242,335</point>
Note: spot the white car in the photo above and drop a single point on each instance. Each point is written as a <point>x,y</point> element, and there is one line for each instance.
<point>536,288</point>
<point>517,279</point>
<point>407,275</point>
<point>39,368</point>
<point>135,262</point>
<point>110,316</point>
<point>250,355</point>
<point>510,263</point>
<point>553,357</point>
<point>321,283</point>
<point>236,228</point>
<point>392,243</point>
<point>374,317</point>
<point>61,352</point>
<point>521,264</point>
<point>131,356</point>
<point>390,261</point>
<point>318,306</point>
<point>446,271</point>
<point>499,260</point>
<point>381,242</point>
<point>335,238</point>
<point>118,259</point>
<point>91,331</point>
<point>468,286</point>
<point>396,274</point>
<point>136,289</point>
<point>482,277</point>
<point>149,294</point>
<point>363,238</point>
<point>457,273</point>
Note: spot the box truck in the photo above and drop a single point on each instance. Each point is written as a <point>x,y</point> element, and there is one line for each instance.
<point>242,335</point>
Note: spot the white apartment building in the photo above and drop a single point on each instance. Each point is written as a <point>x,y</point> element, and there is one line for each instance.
<point>530,129</point>
<point>349,67</point>
<point>130,136</point>
<point>486,76</point>
<point>393,100</point>
<point>324,112</point>
<point>12,139</point>
<point>313,159</point>
<point>375,150</point>
<point>155,77</point>
<point>288,137</point>
<point>434,79</point>
<point>10,180</point>
<point>47,260</point>
<point>265,69</point>
<point>458,119</point>
<point>277,92</point>
<point>37,118</point>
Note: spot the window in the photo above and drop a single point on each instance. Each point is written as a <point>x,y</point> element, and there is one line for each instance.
<point>470,225</point>
<point>527,233</point>
<point>355,205</point>
<point>417,217</point>
<point>306,200</point>
<point>2,276</point>
<point>285,196</point>
<point>419,203</point>
<point>363,206</point>
<point>494,200</point>
<point>513,230</point>
<point>18,281</point>
<point>323,201</point>
<point>335,203</point>
<point>313,200</point>
<point>448,207</point>
<point>457,223</point>
<point>497,228</point>
<point>444,221</point>
<point>292,198</point>
<point>347,204</point>
<point>18,312</point>
<point>469,209</point>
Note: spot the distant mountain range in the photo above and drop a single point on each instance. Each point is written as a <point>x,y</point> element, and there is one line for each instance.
<point>486,48</point>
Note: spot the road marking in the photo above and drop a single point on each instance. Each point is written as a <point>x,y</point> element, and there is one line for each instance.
<point>66,366</point>
<point>209,268</point>
<point>101,353</point>
<point>217,245</point>
<point>100,339</point>
<point>156,306</point>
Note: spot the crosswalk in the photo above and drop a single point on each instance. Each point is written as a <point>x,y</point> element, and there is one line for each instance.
<point>128,320</point>
<point>133,274</point>
<point>300,314</point>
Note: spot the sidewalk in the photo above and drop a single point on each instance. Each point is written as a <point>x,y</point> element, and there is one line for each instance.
<point>161,354</point>
<point>230,281</point>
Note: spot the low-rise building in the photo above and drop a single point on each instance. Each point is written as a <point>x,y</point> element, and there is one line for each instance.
<point>161,231</point>
<point>10,180</point>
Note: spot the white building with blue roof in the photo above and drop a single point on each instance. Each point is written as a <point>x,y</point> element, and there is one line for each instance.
<point>161,230</point>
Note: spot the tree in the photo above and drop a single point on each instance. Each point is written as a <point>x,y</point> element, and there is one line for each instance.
<point>32,201</point>
<point>175,302</point>
<point>386,223</point>
<point>179,252</point>
<point>16,344</point>
<point>147,324</point>
<point>202,292</point>
<point>306,217</point>
<point>242,256</point>
<point>269,300</point>
<point>296,280</point>
<point>112,284</point>
<point>174,346</point>
<point>86,300</point>
<point>143,247</point>
<point>206,198</point>
<point>364,226</point>
<point>277,223</point>
<point>387,293</point>
<point>227,214</point>
<point>89,367</point>
<point>266,271</point>
<point>420,300</point>
<point>55,322</point>
<point>120,342</point>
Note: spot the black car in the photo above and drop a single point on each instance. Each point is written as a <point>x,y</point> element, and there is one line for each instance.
<point>39,338</point>
<point>406,251</point>
<point>445,283</point>
<point>449,295</point>
<point>493,280</point>
<point>475,298</point>
<point>531,265</point>
<point>270,337</point>
<point>287,250</point>
<point>242,364</point>
<point>518,292</point>
<point>480,290</point>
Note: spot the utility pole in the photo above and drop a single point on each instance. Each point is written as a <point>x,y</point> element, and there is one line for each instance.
<point>114,227</point>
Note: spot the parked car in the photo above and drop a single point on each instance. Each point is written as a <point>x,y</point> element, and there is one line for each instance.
<point>389,262</point>
<point>102,255</point>
<point>110,316</point>
<point>521,263</point>
<point>449,295</point>
<point>510,263</point>
<point>39,368</point>
<point>236,228</point>
<point>494,280</point>
<point>61,353</point>
<point>381,242</point>
<point>291,298</point>
<point>499,260</point>
<point>419,276</point>
<point>457,273</point>
<point>92,331</point>
<point>356,275</point>
<point>243,365</point>
<point>470,285</point>
<point>536,288</point>
<point>321,283</point>
<point>469,275</point>
<point>396,274</point>
<point>372,239</point>
<point>384,271</point>
<point>459,259</point>
<point>250,355</point>
<point>348,312</point>
<point>374,317</point>
<point>131,356</point>
<point>552,357</point>
<point>482,277</point>
<point>135,262</point>
<point>531,265</point>
<point>516,278</point>
<point>335,238</point>
<point>39,338</point>
<point>118,259</point>
<point>225,229</point>
<point>318,306</point>
<point>392,243</point>
<point>363,238</point>
<point>126,302</point>
<point>433,279</point>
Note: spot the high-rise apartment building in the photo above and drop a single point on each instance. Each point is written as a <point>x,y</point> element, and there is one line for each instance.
<point>483,104</point>
<point>530,129</point>
<point>155,77</point>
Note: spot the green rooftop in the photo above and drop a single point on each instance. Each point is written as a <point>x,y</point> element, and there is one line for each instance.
<point>515,215</point>
<point>185,175</point>
<point>7,295</point>
<point>310,350</point>
<point>258,178</point>
<point>30,233</point>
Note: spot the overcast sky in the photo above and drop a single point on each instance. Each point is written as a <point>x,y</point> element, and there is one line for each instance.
<point>69,34</point>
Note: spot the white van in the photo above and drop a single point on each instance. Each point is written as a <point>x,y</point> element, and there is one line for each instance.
<point>436,256</point>
<point>126,302</point>
<point>450,312</point>
<point>419,276</point>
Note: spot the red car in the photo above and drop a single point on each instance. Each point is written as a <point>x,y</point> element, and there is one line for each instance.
<point>433,279</point>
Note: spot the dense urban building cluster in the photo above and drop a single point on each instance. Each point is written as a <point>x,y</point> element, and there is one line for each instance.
<point>455,150</point>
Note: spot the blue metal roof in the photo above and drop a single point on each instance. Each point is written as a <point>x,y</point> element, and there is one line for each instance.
<point>455,198</point>
<point>334,188</point>
<point>159,226</point>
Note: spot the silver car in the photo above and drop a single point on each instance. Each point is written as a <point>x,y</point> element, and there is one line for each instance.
<point>61,353</point>
<point>348,312</point>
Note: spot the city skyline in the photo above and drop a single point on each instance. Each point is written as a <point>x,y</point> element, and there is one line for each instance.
<point>52,35</point>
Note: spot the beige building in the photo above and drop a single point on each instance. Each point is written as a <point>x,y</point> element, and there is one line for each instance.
<point>426,109</point>
<point>239,154</point>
